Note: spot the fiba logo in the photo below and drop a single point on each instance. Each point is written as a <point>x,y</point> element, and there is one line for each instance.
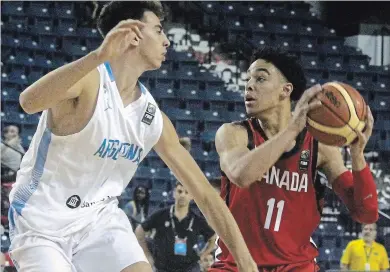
<point>73,202</point>
<point>304,160</point>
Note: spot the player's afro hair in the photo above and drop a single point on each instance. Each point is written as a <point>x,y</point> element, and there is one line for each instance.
<point>287,64</point>
<point>116,11</point>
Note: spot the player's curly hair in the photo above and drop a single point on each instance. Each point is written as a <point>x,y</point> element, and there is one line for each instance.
<point>116,11</point>
<point>287,64</point>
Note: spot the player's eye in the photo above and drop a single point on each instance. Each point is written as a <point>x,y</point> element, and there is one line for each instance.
<point>260,79</point>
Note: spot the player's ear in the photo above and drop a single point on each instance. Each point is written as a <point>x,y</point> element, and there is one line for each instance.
<point>135,41</point>
<point>287,90</point>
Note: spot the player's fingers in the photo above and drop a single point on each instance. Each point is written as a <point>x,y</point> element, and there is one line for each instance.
<point>310,93</point>
<point>130,23</point>
<point>314,104</point>
<point>369,123</point>
<point>361,137</point>
<point>369,117</point>
<point>120,32</point>
<point>138,32</point>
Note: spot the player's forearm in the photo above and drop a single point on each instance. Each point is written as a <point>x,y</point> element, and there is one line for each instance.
<point>140,234</point>
<point>358,162</point>
<point>357,190</point>
<point>217,214</point>
<point>222,221</point>
<point>52,88</point>
<point>253,165</point>
<point>211,204</point>
<point>344,267</point>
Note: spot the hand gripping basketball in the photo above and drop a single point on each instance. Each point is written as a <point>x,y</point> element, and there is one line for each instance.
<point>307,102</point>
<point>126,35</point>
<point>357,146</point>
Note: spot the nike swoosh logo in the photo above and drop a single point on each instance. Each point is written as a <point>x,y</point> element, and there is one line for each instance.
<point>369,196</point>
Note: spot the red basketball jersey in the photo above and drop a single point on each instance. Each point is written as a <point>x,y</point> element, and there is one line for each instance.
<point>278,214</point>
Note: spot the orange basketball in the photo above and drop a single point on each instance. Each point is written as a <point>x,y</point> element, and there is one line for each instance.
<point>343,110</point>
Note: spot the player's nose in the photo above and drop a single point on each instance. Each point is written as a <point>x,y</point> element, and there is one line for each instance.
<point>167,42</point>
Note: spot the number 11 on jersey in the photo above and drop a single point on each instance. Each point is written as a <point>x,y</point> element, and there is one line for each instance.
<point>270,211</point>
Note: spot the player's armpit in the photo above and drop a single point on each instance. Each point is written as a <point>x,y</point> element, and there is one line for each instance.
<point>357,190</point>
<point>330,161</point>
<point>184,167</point>
<point>231,142</point>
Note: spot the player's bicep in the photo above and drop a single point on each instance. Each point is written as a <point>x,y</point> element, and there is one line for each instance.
<point>331,161</point>
<point>89,83</point>
<point>169,140</point>
<point>231,143</point>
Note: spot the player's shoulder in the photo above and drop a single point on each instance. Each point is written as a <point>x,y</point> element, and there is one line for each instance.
<point>232,128</point>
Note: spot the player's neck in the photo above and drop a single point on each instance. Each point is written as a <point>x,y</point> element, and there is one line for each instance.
<point>127,72</point>
<point>275,119</point>
<point>181,211</point>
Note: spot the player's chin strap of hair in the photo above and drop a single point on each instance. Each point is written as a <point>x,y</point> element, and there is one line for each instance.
<point>358,192</point>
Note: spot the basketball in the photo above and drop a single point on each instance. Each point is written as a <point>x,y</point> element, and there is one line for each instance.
<point>343,110</point>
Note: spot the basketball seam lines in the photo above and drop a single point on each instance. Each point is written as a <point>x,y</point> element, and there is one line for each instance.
<point>338,117</point>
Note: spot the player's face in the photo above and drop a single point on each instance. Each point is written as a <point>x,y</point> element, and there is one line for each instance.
<point>369,232</point>
<point>182,197</point>
<point>264,88</point>
<point>153,46</point>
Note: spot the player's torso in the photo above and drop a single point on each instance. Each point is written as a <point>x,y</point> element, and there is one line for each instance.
<point>278,214</point>
<point>76,172</point>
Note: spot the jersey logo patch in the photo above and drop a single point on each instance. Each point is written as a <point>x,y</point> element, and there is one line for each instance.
<point>149,114</point>
<point>304,160</point>
<point>73,202</point>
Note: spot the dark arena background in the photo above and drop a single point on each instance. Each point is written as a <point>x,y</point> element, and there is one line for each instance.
<point>200,86</point>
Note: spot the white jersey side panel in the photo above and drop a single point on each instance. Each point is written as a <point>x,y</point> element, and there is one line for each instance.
<point>63,179</point>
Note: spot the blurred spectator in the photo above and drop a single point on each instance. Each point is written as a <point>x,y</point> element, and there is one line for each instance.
<point>138,208</point>
<point>365,254</point>
<point>11,153</point>
<point>2,260</point>
<point>206,262</point>
<point>5,189</point>
<point>186,143</point>
<point>182,237</point>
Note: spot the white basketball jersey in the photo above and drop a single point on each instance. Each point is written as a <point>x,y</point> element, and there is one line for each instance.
<point>63,179</point>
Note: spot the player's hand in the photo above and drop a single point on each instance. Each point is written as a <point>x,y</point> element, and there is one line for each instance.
<point>248,267</point>
<point>307,103</point>
<point>126,35</point>
<point>357,147</point>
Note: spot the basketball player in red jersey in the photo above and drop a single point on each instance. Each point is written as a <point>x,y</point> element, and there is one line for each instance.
<point>269,164</point>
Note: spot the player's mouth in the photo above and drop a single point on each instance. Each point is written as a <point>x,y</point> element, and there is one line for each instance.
<point>249,100</point>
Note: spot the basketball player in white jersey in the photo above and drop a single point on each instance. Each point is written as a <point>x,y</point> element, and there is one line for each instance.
<point>97,125</point>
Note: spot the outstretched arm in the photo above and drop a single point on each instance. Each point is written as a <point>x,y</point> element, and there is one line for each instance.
<point>210,203</point>
<point>70,80</point>
<point>357,189</point>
